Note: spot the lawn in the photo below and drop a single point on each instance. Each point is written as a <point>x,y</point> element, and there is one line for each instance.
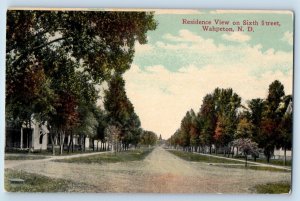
<point>24,157</point>
<point>39,183</point>
<point>264,161</point>
<point>189,156</point>
<point>131,155</point>
<point>255,167</point>
<point>273,188</point>
<point>222,162</point>
<point>274,162</point>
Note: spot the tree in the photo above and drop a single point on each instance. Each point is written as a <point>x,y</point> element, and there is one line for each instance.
<point>256,109</point>
<point>101,118</point>
<point>271,119</point>
<point>194,131</point>
<point>120,111</point>
<point>148,138</point>
<point>112,133</point>
<point>208,119</point>
<point>286,126</point>
<point>219,134</point>
<point>276,92</point>
<point>45,49</point>
<point>87,125</point>
<point>247,146</point>
<point>132,131</point>
<point>185,134</point>
<point>101,40</point>
<point>244,129</point>
<point>226,105</point>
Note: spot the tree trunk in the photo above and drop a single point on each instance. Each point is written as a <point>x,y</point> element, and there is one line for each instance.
<point>69,145</point>
<point>52,142</point>
<point>72,139</point>
<point>61,143</point>
<point>246,160</point>
<point>93,144</point>
<point>284,155</point>
<point>268,158</point>
<point>83,143</point>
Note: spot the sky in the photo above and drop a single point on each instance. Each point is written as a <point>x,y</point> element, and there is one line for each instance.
<point>181,63</point>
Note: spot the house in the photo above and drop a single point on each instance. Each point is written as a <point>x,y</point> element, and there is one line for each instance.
<point>35,138</point>
<point>27,138</point>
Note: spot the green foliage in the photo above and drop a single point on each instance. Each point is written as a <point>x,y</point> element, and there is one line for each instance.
<point>226,103</point>
<point>244,129</point>
<point>120,111</point>
<point>148,138</point>
<point>56,59</point>
<point>208,118</point>
<point>222,119</point>
<point>256,109</point>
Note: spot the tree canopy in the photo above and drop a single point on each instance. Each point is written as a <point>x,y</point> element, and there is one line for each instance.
<point>56,59</point>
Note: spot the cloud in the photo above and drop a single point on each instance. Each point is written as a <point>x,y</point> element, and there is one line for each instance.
<point>184,36</point>
<point>145,48</point>
<point>161,97</point>
<point>236,37</point>
<point>190,48</point>
<point>162,94</point>
<point>288,37</point>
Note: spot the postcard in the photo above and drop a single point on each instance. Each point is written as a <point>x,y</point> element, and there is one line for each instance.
<point>149,101</point>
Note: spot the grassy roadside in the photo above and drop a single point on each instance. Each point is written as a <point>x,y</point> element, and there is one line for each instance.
<point>272,188</point>
<point>278,162</point>
<point>189,156</point>
<point>23,157</point>
<point>255,167</point>
<point>131,155</point>
<point>39,183</point>
<point>222,162</point>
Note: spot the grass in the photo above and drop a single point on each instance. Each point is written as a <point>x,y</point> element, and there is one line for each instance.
<point>188,156</point>
<point>131,155</point>
<point>264,161</point>
<point>38,183</point>
<point>254,167</point>
<point>274,162</point>
<point>221,161</point>
<point>24,157</point>
<point>273,188</point>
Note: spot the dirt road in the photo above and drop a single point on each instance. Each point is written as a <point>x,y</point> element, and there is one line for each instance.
<point>160,171</point>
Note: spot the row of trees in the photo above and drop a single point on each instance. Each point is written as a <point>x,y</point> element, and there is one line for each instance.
<point>224,123</point>
<point>55,63</point>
